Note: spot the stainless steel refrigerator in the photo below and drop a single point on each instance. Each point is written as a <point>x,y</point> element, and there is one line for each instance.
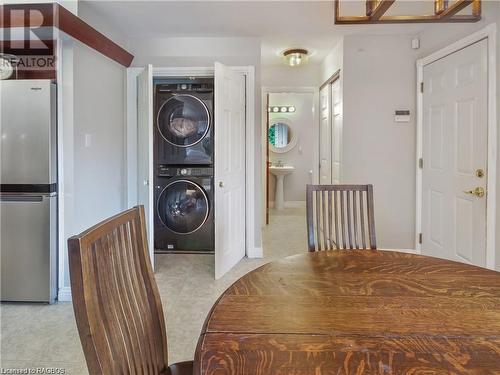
<point>28,191</point>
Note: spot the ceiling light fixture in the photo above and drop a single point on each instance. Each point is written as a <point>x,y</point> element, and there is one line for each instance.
<point>282,109</point>
<point>296,56</point>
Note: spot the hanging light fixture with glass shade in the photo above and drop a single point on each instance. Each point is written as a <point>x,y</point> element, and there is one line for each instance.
<point>296,56</point>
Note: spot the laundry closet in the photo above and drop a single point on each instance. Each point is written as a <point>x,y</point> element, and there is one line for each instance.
<point>191,155</point>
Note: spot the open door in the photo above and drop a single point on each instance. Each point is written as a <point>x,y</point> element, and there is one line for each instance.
<point>229,168</point>
<point>145,150</point>
<point>268,161</point>
<point>325,146</point>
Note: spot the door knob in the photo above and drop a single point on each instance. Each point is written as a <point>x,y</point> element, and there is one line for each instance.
<point>478,192</point>
<point>221,184</point>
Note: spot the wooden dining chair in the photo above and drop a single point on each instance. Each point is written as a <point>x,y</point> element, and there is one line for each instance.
<point>340,217</point>
<point>116,300</point>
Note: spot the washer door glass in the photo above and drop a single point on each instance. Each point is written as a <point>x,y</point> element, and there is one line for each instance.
<point>183,207</point>
<point>183,120</point>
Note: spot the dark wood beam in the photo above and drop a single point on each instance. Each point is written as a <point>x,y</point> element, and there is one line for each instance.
<point>454,8</point>
<point>448,15</point>
<point>381,7</point>
<point>476,8</point>
<point>440,6</point>
<point>55,16</point>
<point>370,6</point>
<point>360,20</point>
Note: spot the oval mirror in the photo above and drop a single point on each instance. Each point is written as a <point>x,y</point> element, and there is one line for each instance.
<point>282,138</point>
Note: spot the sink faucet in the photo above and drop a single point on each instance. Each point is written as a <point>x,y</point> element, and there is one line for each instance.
<point>279,163</point>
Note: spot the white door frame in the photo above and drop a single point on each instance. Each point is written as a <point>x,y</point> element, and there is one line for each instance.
<point>292,90</point>
<point>252,250</point>
<point>488,33</point>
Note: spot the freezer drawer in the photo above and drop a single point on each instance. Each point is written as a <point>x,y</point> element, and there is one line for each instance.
<point>28,247</point>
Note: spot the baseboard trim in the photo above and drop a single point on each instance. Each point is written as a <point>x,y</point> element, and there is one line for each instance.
<point>290,204</point>
<point>256,252</point>
<point>64,294</point>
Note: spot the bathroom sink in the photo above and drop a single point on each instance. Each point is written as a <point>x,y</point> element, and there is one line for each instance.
<point>280,173</point>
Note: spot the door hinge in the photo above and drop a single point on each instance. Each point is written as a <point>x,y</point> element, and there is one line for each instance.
<point>422,87</point>
<point>420,238</point>
<point>421,163</point>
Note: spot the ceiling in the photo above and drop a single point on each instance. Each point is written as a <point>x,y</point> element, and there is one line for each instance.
<point>279,24</point>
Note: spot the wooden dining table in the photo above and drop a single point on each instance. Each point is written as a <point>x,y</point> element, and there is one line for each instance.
<point>355,312</point>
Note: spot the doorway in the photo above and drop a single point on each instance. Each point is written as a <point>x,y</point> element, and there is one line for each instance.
<point>231,242</point>
<point>330,131</point>
<point>456,164</point>
<point>290,143</point>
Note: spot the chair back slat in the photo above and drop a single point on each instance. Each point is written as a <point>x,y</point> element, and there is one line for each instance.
<point>355,218</point>
<point>340,217</point>
<point>362,218</point>
<point>349,216</point>
<point>336,220</point>
<point>326,235</point>
<point>115,297</point>
<point>371,215</point>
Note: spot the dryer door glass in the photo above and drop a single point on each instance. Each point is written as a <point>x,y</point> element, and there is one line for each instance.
<point>183,207</point>
<point>183,120</point>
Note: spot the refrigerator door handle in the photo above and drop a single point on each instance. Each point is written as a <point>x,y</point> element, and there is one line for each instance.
<point>21,198</point>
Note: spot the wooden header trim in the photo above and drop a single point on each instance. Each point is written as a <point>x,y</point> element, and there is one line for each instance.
<point>55,15</point>
<point>453,9</point>
<point>376,9</point>
<point>335,76</point>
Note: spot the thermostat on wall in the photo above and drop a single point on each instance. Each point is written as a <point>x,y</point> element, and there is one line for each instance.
<point>402,116</point>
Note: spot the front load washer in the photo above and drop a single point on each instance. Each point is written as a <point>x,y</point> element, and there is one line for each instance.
<point>184,121</point>
<point>184,220</point>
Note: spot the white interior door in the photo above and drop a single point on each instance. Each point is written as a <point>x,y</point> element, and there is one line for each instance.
<point>336,116</point>
<point>229,168</point>
<point>454,145</point>
<point>145,150</point>
<point>325,136</point>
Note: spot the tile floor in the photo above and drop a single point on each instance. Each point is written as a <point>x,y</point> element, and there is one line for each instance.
<point>43,336</point>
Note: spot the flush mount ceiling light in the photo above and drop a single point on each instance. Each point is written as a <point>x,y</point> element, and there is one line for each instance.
<point>444,11</point>
<point>296,56</point>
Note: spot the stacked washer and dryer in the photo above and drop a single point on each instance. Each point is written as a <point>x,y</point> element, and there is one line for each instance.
<point>184,170</point>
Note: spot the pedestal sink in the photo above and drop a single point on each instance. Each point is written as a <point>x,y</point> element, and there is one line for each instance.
<point>280,173</point>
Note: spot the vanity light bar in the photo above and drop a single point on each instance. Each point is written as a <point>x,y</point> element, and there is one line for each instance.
<point>282,109</point>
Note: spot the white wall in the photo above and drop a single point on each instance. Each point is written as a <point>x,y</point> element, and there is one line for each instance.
<point>195,51</point>
<point>286,76</point>
<point>378,78</point>
<point>88,13</point>
<point>71,5</point>
<point>99,113</point>
<point>438,36</point>
<point>333,62</point>
<point>301,156</point>
<point>94,183</point>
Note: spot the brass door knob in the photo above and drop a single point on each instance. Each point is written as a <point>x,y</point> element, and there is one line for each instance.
<point>478,192</point>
